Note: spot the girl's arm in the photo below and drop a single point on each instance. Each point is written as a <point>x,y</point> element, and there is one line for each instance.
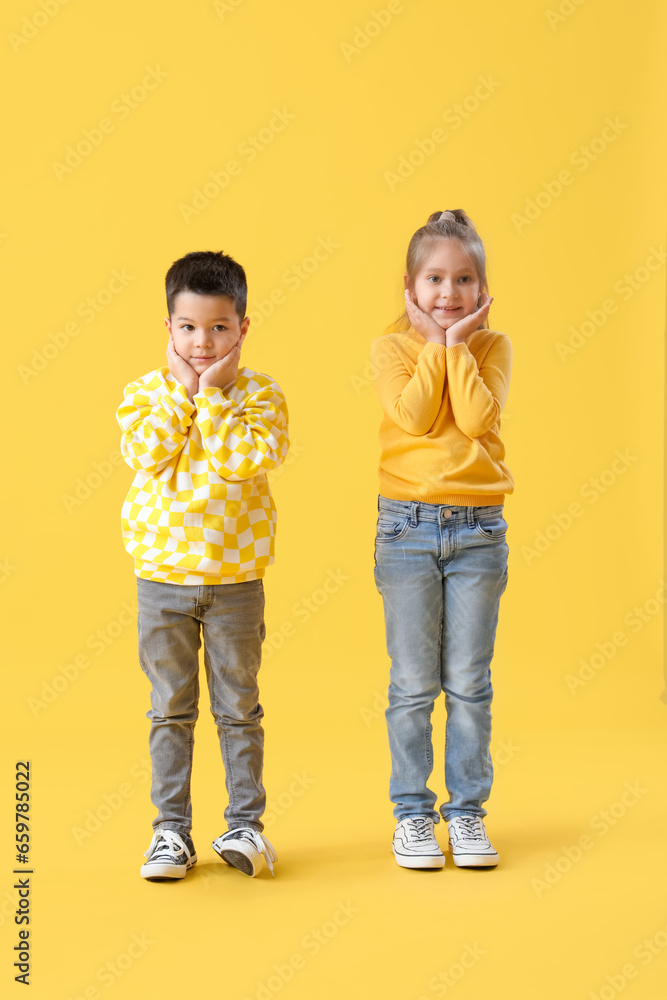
<point>155,426</point>
<point>478,394</point>
<point>411,401</point>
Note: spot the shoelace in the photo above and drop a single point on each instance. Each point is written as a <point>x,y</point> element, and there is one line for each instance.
<point>166,843</point>
<point>420,828</point>
<point>263,845</point>
<point>472,828</point>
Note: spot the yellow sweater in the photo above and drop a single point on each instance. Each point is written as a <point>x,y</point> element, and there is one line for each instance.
<point>200,510</point>
<point>440,435</point>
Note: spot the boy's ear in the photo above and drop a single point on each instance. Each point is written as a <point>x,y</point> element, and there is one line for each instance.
<point>244,328</point>
<point>167,323</point>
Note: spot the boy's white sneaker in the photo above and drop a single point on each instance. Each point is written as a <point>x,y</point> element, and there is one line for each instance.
<point>168,857</point>
<point>469,843</point>
<point>246,849</point>
<point>414,843</point>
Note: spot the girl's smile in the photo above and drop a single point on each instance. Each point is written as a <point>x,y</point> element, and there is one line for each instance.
<point>446,286</point>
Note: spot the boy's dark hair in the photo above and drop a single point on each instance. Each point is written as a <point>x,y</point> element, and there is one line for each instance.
<point>206,272</point>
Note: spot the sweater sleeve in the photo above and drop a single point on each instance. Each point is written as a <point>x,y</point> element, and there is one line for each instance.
<point>478,395</point>
<point>411,401</point>
<point>243,439</point>
<point>155,427</point>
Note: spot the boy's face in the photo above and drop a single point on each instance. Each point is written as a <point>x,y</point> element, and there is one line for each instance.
<point>205,328</point>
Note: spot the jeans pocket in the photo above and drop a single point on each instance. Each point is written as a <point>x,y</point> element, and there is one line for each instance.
<point>491,524</point>
<point>391,526</point>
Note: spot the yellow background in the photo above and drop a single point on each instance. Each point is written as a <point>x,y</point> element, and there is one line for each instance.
<point>365,85</point>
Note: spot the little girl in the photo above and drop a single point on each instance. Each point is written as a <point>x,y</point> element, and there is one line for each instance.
<point>440,551</point>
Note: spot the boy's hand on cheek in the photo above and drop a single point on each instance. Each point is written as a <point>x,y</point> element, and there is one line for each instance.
<point>181,370</point>
<point>222,372</point>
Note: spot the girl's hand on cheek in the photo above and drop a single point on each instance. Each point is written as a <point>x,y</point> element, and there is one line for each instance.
<point>421,321</point>
<point>458,332</point>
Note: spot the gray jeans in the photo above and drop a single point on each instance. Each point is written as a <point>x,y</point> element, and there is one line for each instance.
<point>231,616</point>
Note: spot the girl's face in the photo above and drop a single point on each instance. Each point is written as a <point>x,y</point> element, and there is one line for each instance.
<point>446,286</point>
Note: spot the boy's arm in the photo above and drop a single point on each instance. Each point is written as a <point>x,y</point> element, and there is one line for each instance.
<point>245,438</point>
<point>412,402</point>
<point>153,433</point>
<point>478,395</point>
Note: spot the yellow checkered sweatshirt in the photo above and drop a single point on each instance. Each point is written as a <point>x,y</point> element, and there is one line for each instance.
<point>200,510</point>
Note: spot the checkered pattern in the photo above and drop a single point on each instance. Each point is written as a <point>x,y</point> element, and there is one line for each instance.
<point>200,510</point>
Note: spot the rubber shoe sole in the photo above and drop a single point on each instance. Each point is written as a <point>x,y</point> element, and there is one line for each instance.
<point>462,860</point>
<point>413,861</point>
<point>237,860</point>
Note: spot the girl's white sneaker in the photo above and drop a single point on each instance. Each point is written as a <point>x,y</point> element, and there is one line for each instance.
<point>469,843</point>
<point>414,843</point>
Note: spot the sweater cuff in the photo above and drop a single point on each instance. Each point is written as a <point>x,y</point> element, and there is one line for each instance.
<point>182,407</point>
<point>212,395</point>
<point>437,350</point>
<point>457,351</point>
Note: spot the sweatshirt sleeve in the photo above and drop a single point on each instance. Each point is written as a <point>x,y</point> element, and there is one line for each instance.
<point>243,439</point>
<point>411,401</point>
<point>478,395</point>
<point>155,426</point>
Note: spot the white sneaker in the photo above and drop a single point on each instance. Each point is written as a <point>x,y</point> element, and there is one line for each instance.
<point>414,843</point>
<point>469,843</point>
<point>246,849</point>
<point>168,857</point>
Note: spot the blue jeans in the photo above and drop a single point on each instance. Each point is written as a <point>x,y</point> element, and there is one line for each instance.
<point>441,571</point>
<point>231,617</point>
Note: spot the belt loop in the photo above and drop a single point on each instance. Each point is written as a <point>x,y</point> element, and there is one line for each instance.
<point>414,517</point>
<point>471,516</point>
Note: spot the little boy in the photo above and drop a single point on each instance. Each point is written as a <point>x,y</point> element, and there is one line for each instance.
<point>199,520</point>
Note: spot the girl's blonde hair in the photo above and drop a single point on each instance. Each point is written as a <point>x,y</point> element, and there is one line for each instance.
<point>451,224</point>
